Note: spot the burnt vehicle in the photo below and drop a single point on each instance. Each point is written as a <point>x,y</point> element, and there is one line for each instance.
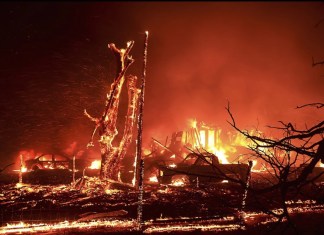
<point>190,156</point>
<point>202,168</point>
<point>54,161</point>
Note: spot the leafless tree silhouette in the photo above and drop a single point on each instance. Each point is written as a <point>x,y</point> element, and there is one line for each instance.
<point>281,156</point>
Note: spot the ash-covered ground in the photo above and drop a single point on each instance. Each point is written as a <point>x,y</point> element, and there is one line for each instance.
<point>202,208</point>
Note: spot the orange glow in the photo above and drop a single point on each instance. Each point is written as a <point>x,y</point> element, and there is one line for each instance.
<point>178,183</point>
<point>179,180</point>
<point>154,179</point>
<point>210,139</point>
<point>193,123</point>
<point>202,138</point>
<point>95,164</point>
<point>253,165</point>
<point>23,169</point>
<point>112,191</point>
<point>146,152</point>
<point>172,165</point>
<point>49,167</point>
<point>222,157</point>
<point>43,227</point>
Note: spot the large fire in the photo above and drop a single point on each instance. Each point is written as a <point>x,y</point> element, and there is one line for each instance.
<point>209,138</point>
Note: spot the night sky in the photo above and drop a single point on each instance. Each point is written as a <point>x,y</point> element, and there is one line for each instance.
<point>55,62</point>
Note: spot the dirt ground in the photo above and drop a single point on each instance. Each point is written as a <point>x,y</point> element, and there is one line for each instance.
<point>210,208</point>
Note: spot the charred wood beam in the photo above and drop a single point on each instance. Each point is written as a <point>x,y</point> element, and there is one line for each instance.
<point>161,145</point>
<point>140,118</point>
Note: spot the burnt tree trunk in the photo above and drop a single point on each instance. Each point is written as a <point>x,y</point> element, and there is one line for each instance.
<point>106,124</point>
<point>114,162</point>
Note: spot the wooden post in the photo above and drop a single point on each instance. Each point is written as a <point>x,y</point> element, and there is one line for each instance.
<point>140,118</point>
<point>73,170</point>
<point>21,169</point>
<point>246,188</point>
<point>139,162</point>
<point>140,221</point>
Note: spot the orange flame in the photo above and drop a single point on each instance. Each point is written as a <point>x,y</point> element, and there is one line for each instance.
<point>178,183</point>
<point>253,166</point>
<point>172,165</point>
<point>95,164</point>
<point>154,179</point>
<point>179,180</point>
<point>23,169</point>
<point>209,138</point>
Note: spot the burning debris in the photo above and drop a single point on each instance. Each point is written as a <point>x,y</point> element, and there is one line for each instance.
<point>193,156</point>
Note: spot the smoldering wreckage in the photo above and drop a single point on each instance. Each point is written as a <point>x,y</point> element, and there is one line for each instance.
<point>186,184</point>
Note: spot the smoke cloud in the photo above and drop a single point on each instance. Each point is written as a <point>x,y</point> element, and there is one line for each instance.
<point>55,63</point>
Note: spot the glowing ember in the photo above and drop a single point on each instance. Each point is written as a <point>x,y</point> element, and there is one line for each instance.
<point>49,167</point>
<point>42,227</point>
<point>178,183</point>
<point>95,164</point>
<point>153,179</point>
<point>321,165</point>
<point>225,181</point>
<point>179,180</point>
<point>172,165</point>
<point>20,185</point>
<point>112,191</point>
<point>22,169</point>
<point>146,152</point>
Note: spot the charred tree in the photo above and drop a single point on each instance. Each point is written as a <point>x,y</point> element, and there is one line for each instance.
<point>106,124</point>
<point>281,156</point>
<point>115,160</point>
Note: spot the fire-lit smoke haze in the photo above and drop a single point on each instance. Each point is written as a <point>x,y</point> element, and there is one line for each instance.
<point>55,63</point>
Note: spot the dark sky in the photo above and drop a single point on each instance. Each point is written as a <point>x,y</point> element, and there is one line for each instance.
<point>55,62</point>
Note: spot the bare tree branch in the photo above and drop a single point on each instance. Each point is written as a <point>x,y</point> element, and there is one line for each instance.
<point>317,105</point>
<point>282,154</point>
<point>318,23</point>
<point>314,63</point>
